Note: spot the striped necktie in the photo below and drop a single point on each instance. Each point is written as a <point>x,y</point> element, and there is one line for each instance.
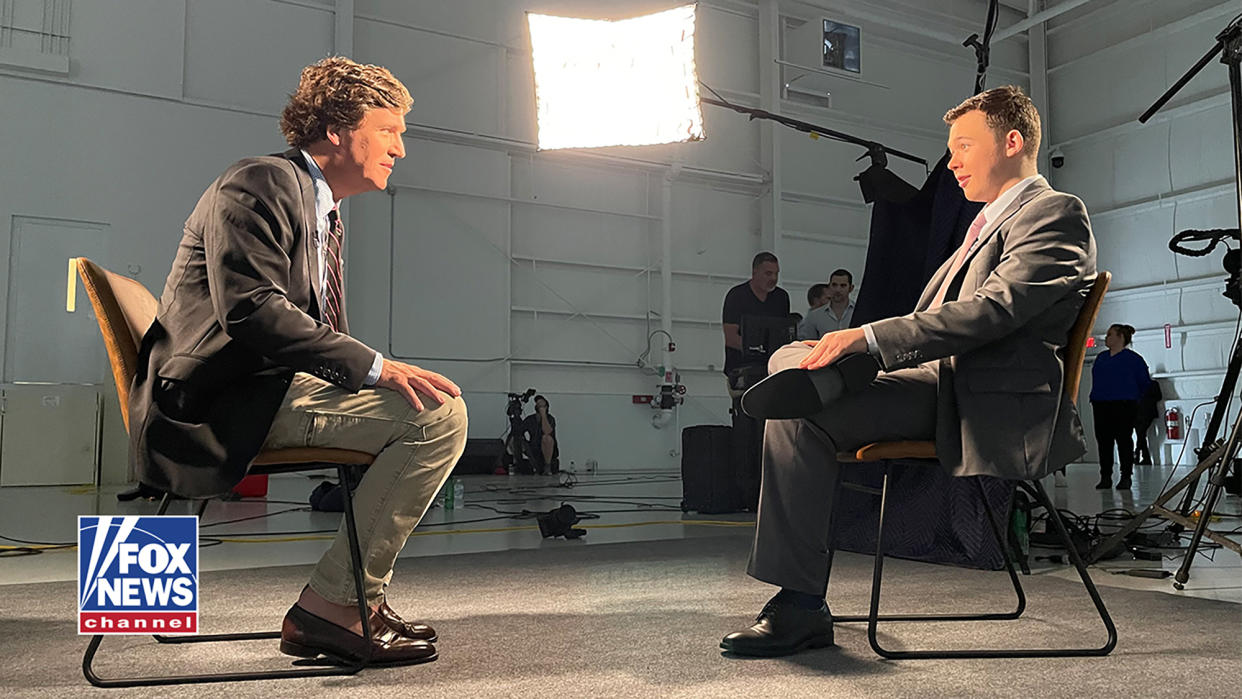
<point>334,280</point>
<point>972,235</point>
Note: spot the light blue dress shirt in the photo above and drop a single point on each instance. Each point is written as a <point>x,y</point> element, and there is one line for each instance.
<point>324,203</point>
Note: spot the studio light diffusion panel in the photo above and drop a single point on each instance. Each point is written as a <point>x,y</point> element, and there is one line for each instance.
<point>626,82</point>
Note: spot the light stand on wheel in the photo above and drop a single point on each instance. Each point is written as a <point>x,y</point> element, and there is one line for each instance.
<point>1214,458</point>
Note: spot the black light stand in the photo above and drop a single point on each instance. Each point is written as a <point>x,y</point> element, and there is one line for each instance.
<point>983,49</point>
<point>875,180</point>
<point>1214,458</point>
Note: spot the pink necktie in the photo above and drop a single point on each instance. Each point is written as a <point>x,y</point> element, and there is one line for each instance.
<point>334,294</point>
<point>971,236</point>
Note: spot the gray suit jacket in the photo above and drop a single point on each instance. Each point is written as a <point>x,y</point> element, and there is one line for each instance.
<point>238,316</point>
<point>1000,344</point>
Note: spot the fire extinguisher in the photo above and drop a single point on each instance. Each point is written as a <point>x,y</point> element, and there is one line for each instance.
<point>1173,423</point>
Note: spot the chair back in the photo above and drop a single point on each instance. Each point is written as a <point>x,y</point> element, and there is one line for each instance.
<point>1076,348</point>
<point>124,310</point>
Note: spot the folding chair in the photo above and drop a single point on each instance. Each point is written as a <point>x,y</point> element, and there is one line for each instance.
<point>884,452</point>
<point>124,310</point>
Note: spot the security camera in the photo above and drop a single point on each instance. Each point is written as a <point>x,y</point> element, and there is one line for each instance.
<point>1056,157</point>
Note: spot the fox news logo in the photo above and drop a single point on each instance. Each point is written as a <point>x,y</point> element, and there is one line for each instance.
<point>137,575</point>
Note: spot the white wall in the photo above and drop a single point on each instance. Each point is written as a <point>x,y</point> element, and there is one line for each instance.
<point>1143,183</point>
<point>500,266</point>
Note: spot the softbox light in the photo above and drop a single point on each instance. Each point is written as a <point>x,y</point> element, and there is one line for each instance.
<point>624,82</point>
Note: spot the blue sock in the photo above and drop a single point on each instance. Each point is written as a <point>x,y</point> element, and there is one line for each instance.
<point>802,600</point>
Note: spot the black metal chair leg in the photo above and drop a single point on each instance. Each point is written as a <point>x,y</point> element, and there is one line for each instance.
<point>1043,499</point>
<point>364,612</point>
<point>355,555</point>
<point>167,500</point>
<point>202,508</point>
<point>1003,542</point>
<point>877,574</point>
<point>1081,567</point>
<point>1014,579</point>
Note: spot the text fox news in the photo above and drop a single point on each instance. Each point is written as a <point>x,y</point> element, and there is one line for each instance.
<point>137,575</point>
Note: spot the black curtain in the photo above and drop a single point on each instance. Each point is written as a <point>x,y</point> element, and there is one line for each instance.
<point>909,241</point>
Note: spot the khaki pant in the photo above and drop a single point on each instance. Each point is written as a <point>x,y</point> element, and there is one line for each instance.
<point>415,452</point>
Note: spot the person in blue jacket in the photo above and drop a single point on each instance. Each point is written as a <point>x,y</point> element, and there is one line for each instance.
<point>1119,377</point>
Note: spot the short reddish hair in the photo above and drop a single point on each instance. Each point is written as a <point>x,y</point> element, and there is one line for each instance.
<point>1007,109</point>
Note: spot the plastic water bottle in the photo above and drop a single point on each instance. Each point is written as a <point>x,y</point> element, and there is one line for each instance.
<point>449,494</point>
<point>459,493</point>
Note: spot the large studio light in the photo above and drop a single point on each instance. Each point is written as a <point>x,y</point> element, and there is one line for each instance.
<point>615,83</point>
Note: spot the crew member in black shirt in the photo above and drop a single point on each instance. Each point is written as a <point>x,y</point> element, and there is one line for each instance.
<point>760,296</point>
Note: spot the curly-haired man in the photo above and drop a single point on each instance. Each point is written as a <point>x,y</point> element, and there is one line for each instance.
<point>250,349</point>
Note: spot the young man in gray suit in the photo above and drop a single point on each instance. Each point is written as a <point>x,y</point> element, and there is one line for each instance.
<point>250,349</point>
<point>977,367</point>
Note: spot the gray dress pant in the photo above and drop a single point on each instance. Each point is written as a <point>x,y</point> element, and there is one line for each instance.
<point>801,471</point>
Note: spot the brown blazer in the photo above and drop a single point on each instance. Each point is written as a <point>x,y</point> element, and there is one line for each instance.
<point>238,316</point>
<point>1001,347</point>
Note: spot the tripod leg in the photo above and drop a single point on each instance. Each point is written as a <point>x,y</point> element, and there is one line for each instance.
<point>1216,475</point>
<point>1205,516</point>
<point>1221,408</point>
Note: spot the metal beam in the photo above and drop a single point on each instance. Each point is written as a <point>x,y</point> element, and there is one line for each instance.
<point>343,28</point>
<point>770,220</point>
<point>1037,46</point>
<point>1038,18</point>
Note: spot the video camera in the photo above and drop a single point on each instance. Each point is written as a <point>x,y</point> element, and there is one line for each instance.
<point>514,409</point>
<point>515,458</point>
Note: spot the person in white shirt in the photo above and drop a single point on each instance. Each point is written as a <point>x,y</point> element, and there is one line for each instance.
<point>834,314</point>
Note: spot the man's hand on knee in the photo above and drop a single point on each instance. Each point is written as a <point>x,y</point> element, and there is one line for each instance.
<point>409,381</point>
<point>832,346</point>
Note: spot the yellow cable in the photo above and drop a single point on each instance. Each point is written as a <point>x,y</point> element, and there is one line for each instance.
<point>696,522</point>
<point>277,540</point>
<point>33,548</point>
<point>442,532</point>
<point>434,532</point>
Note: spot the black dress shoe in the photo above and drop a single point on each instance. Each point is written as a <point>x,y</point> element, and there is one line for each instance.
<point>782,629</point>
<point>409,629</point>
<point>307,635</point>
<point>1105,483</point>
<point>1123,483</point>
<point>795,393</point>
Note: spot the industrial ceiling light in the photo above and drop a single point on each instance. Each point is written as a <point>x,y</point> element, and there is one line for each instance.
<point>615,83</point>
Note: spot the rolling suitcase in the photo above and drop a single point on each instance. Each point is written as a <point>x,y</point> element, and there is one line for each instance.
<point>746,458</point>
<point>707,470</point>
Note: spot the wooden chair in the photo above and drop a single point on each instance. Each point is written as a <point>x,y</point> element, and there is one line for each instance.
<point>125,309</point>
<point>1075,354</point>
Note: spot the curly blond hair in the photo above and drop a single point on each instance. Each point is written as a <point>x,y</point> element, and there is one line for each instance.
<point>337,92</point>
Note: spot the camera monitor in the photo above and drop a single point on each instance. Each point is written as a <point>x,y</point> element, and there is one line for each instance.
<point>763,335</point>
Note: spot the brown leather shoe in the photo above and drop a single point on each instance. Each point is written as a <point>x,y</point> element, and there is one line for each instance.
<point>409,629</point>
<point>306,635</point>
